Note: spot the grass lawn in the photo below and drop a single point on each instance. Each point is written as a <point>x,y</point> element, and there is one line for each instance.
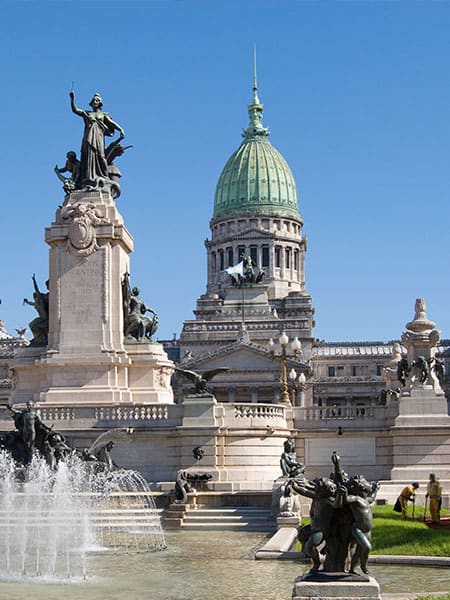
<point>447,597</point>
<point>391,535</point>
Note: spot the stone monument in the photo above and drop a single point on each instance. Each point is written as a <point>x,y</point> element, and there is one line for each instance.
<point>88,352</point>
<point>422,406</point>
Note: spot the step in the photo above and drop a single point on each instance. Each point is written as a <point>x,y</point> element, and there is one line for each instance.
<point>216,526</point>
<point>251,514</point>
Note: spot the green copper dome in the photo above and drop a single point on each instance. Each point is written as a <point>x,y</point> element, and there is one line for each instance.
<point>256,178</point>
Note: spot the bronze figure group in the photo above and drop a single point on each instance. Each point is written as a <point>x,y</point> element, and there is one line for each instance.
<point>339,534</point>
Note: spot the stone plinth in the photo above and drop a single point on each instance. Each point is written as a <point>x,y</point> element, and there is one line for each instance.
<point>336,590</point>
<point>287,509</point>
<point>200,410</point>
<point>149,373</point>
<point>87,361</point>
<point>421,407</point>
<point>89,248</point>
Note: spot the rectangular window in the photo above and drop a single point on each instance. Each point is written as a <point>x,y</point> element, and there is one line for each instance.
<point>296,260</point>
<point>254,254</point>
<point>241,253</point>
<point>354,371</point>
<point>278,256</point>
<point>379,369</point>
<point>331,372</point>
<point>222,265</point>
<point>265,256</point>
<point>230,257</point>
<point>288,258</point>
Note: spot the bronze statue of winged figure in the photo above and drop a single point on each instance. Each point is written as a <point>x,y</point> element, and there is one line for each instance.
<point>201,379</point>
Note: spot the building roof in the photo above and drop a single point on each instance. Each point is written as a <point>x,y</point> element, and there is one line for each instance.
<point>256,179</point>
<point>353,349</point>
<point>345,349</point>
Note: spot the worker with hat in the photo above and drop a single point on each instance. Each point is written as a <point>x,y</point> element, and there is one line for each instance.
<point>434,494</point>
<point>408,495</point>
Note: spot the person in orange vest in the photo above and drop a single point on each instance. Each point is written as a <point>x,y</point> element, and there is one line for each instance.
<point>408,495</point>
<point>434,493</point>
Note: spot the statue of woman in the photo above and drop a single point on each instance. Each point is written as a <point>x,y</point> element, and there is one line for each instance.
<point>97,124</point>
<point>140,326</point>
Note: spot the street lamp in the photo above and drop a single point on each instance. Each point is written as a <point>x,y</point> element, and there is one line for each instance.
<point>293,387</point>
<point>281,351</point>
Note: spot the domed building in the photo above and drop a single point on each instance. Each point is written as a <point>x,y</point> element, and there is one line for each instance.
<point>256,199</point>
<point>256,273</point>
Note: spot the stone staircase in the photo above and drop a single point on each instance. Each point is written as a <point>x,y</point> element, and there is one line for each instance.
<point>228,518</point>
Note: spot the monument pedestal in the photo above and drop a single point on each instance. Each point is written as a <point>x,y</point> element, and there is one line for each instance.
<point>421,406</point>
<point>306,589</point>
<point>420,435</point>
<point>87,360</point>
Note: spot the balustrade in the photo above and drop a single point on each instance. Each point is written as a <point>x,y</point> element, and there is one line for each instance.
<point>265,411</point>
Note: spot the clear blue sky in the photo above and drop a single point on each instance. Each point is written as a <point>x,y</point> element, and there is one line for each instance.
<point>357,97</point>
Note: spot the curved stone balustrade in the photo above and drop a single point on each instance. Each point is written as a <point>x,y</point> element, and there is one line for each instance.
<point>248,415</point>
<point>266,411</point>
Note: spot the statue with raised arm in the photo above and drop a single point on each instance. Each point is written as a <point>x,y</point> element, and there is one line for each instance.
<point>94,170</point>
<point>39,325</point>
<point>325,500</point>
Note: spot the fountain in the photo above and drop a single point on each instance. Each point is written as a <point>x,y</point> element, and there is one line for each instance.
<point>53,513</point>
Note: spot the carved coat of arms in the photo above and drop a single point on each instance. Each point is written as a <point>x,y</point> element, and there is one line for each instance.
<point>82,219</point>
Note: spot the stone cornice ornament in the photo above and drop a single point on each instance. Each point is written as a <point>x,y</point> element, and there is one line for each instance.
<point>82,219</point>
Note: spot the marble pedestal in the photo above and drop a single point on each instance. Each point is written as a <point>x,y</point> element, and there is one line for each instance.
<point>420,435</point>
<point>336,590</point>
<point>88,360</point>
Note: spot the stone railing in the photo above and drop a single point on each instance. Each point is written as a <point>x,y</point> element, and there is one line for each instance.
<point>264,411</point>
<point>91,417</point>
<point>56,413</point>
<point>320,416</point>
<point>247,415</point>
<point>159,412</point>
